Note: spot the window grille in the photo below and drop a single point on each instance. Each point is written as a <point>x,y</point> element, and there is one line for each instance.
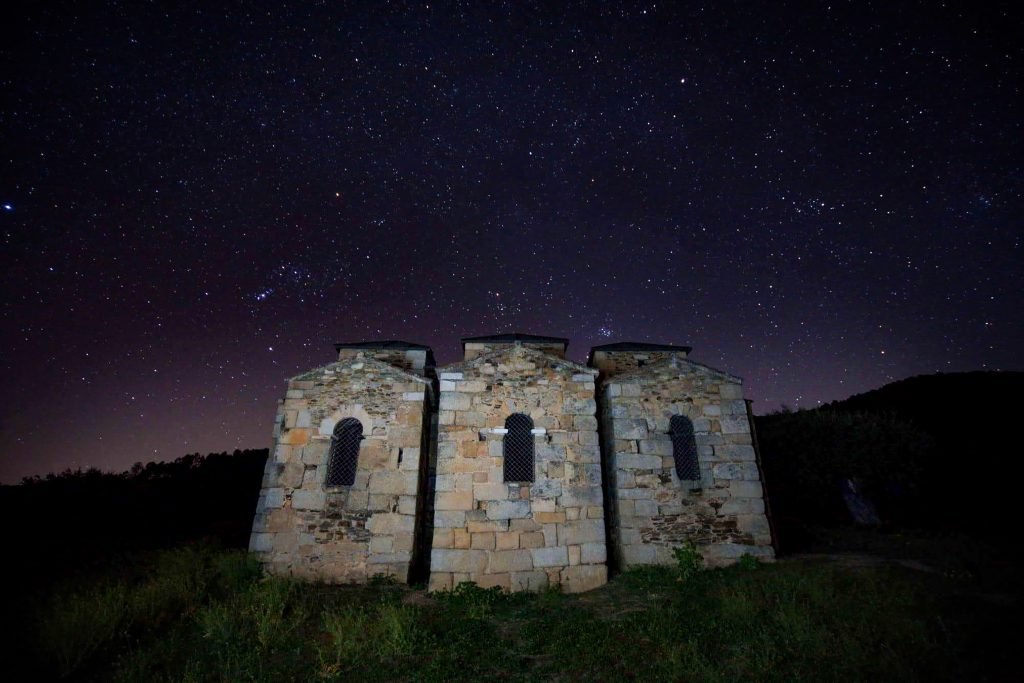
<point>518,448</point>
<point>684,448</point>
<point>344,453</point>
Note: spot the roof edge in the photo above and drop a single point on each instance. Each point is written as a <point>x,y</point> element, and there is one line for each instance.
<point>381,344</point>
<point>648,370</point>
<point>371,362</point>
<point>513,337</point>
<point>495,353</point>
<point>636,346</point>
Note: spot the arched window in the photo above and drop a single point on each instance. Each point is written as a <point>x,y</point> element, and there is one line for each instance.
<point>518,448</point>
<point>344,454</point>
<point>684,448</point>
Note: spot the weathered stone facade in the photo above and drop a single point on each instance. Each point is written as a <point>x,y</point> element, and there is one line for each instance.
<point>518,535</point>
<point>414,358</point>
<point>477,346</point>
<point>652,510</point>
<point>429,487</point>
<point>616,359</point>
<point>307,528</point>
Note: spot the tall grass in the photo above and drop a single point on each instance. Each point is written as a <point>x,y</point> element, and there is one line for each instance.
<point>84,619</point>
<point>782,623</point>
<point>199,615</point>
<point>357,635</point>
<point>78,625</point>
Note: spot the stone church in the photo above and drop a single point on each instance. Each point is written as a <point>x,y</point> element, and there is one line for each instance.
<point>515,467</point>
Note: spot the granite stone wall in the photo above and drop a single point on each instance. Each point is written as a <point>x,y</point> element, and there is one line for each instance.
<point>615,363</point>
<point>473,349</point>
<point>411,360</point>
<point>519,536</point>
<point>344,534</point>
<point>430,489</point>
<point>652,511</point>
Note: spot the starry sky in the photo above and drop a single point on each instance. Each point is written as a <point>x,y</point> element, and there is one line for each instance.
<point>197,199</point>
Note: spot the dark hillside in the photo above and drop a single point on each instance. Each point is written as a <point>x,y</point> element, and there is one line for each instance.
<point>937,451</point>
<point>65,523</point>
<point>973,418</point>
<point>970,408</point>
<point>96,527</point>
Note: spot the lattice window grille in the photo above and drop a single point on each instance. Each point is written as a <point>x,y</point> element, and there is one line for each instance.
<point>344,453</point>
<point>518,448</point>
<point>684,448</point>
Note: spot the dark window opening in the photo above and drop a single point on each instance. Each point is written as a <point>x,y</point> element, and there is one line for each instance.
<point>344,453</point>
<point>684,448</point>
<point>518,448</point>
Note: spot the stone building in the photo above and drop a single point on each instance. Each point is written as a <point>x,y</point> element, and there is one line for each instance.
<point>344,488</point>
<point>514,467</point>
<point>518,490</point>
<point>679,459</point>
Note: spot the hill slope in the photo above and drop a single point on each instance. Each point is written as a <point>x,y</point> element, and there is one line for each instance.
<point>941,451</point>
<point>947,405</point>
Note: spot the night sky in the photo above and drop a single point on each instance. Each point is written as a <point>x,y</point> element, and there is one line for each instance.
<point>197,201</point>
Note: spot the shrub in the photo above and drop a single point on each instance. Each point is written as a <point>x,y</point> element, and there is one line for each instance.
<point>397,631</point>
<point>74,627</point>
<point>272,610</point>
<point>379,580</point>
<point>357,634</point>
<point>748,562</point>
<point>347,629</point>
<point>689,561</point>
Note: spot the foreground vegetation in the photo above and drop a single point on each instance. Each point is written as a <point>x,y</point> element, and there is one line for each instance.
<point>196,614</point>
<point>931,593</point>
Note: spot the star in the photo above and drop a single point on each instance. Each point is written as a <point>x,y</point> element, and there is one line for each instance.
<point>787,223</point>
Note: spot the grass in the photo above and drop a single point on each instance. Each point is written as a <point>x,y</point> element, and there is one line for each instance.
<point>197,614</point>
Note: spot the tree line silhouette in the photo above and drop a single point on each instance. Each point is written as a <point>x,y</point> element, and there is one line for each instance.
<point>65,523</point>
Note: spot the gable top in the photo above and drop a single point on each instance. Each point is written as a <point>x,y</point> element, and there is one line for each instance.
<point>677,364</point>
<point>494,355</point>
<point>636,346</point>
<point>382,344</point>
<point>371,364</point>
<point>391,344</point>
<point>513,337</point>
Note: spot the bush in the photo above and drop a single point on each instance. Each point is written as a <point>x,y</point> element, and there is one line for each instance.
<point>76,626</point>
<point>748,562</point>
<point>359,635</point>
<point>689,560</point>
